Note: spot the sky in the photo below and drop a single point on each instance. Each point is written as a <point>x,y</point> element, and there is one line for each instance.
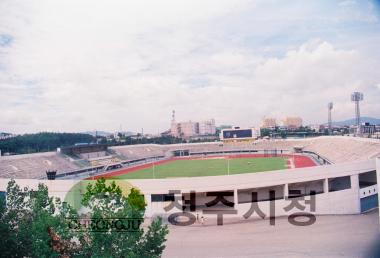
<point>79,65</point>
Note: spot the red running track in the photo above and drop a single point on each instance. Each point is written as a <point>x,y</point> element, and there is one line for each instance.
<point>303,161</point>
<point>299,162</point>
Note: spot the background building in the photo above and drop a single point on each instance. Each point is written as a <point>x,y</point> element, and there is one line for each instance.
<point>291,122</point>
<point>207,127</point>
<point>268,122</point>
<point>191,129</point>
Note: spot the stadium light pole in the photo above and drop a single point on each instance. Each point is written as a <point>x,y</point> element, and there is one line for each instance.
<point>329,108</point>
<point>356,97</point>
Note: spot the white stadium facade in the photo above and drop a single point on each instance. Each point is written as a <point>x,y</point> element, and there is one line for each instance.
<point>343,182</point>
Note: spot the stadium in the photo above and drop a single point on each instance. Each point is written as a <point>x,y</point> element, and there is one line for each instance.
<point>339,171</point>
<point>243,185</point>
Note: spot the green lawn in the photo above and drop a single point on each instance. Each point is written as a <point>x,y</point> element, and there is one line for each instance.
<point>207,167</point>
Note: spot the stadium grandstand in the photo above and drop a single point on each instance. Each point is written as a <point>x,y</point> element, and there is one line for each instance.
<point>84,160</point>
<point>93,155</point>
<point>339,172</point>
<point>34,165</point>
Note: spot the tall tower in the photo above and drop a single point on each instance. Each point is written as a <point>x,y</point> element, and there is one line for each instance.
<point>173,116</point>
<point>173,126</point>
<point>357,97</point>
<point>329,108</point>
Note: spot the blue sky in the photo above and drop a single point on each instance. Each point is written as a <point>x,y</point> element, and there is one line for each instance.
<point>5,40</point>
<point>85,65</point>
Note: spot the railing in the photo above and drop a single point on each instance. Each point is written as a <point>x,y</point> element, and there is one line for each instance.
<point>317,156</point>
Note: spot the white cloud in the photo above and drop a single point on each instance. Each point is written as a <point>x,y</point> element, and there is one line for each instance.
<point>83,65</point>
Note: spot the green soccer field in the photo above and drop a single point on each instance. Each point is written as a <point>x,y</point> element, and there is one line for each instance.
<point>207,167</point>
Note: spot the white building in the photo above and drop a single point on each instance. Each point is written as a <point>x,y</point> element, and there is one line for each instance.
<point>207,127</point>
<point>268,122</point>
<point>190,128</point>
<point>292,122</point>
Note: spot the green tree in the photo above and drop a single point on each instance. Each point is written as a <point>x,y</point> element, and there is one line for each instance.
<point>32,224</point>
<point>264,132</point>
<point>107,201</point>
<point>25,219</point>
<point>44,141</point>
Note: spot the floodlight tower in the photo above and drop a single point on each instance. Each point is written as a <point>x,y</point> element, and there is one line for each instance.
<point>329,108</point>
<point>357,97</point>
<point>173,116</point>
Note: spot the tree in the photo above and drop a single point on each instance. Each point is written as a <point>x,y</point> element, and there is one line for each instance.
<point>264,132</point>
<point>25,219</point>
<point>32,224</point>
<point>44,141</point>
<point>107,201</point>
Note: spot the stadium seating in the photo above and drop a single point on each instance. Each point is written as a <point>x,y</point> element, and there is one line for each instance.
<point>336,149</point>
<point>344,149</point>
<point>33,165</point>
<point>131,152</point>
